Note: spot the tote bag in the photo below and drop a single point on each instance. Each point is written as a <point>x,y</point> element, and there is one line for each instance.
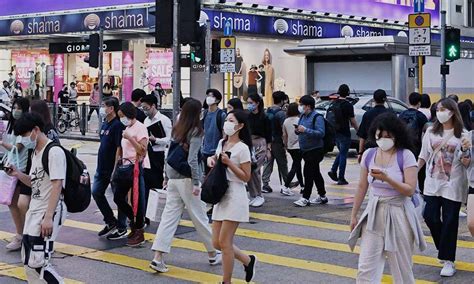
<point>8,183</point>
<point>156,204</point>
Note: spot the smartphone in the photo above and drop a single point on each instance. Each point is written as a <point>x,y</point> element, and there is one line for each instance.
<point>375,171</point>
<point>295,125</point>
<point>228,154</point>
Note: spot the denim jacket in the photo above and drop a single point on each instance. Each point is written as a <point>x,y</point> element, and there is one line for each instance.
<point>312,137</point>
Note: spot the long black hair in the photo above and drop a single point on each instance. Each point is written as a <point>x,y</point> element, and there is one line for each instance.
<point>396,127</point>
<point>24,105</point>
<point>258,100</point>
<point>244,134</point>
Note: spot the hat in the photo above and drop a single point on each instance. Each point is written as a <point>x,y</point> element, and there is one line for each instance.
<point>253,67</point>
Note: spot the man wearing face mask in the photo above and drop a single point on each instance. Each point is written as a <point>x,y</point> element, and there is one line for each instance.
<point>213,121</point>
<point>311,130</point>
<point>5,92</point>
<point>159,93</point>
<point>109,152</point>
<point>380,98</point>
<point>159,129</point>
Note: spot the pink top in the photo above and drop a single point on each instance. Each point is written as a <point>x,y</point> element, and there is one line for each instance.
<point>383,189</point>
<point>137,131</point>
<point>94,98</point>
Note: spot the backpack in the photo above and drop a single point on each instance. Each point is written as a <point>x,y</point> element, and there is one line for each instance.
<point>411,119</point>
<point>329,139</point>
<point>335,116</point>
<point>77,192</point>
<point>271,115</point>
<point>219,121</point>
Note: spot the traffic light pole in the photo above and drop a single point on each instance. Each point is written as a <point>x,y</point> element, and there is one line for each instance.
<point>443,54</point>
<point>208,54</point>
<point>176,65</point>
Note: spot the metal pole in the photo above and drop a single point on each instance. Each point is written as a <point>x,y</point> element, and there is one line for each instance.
<point>176,66</point>
<point>420,74</point>
<point>443,53</point>
<point>208,54</point>
<point>101,69</point>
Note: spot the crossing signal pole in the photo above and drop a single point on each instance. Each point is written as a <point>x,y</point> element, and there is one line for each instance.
<point>444,66</point>
<point>176,65</point>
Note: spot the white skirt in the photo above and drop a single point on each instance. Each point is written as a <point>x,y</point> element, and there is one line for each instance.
<point>234,206</point>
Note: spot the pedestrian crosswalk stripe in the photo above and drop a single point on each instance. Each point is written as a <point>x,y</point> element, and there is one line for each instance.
<point>262,257</point>
<point>18,272</point>
<point>127,261</point>
<point>331,226</point>
<point>418,259</point>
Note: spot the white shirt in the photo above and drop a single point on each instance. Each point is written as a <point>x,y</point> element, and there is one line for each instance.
<point>160,143</point>
<point>5,94</point>
<point>41,185</point>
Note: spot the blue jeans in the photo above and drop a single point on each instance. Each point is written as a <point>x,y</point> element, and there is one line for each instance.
<point>101,183</point>
<point>343,143</point>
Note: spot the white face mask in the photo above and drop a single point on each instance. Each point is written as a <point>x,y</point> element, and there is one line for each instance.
<point>229,128</point>
<point>301,109</point>
<point>444,116</point>
<point>385,144</point>
<point>125,121</point>
<point>210,101</point>
<point>102,112</point>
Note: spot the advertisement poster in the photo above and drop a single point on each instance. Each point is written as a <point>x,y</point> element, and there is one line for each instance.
<point>159,68</point>
<point>58,74</point>
<point>25,63</point>
<point>127,75</point>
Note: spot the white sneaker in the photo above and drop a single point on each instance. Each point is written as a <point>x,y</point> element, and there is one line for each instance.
<point>462,214</point>
<point>159,266</point>
<point>258,201</point>
<point>286,191</point>
<point>319,200</point>
<point>449,269</point>
<point>302,202</point>
<point>15,244</point>
<point>216,260</point>
<point>252,201</point>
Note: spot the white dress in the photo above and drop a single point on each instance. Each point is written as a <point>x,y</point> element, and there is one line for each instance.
<point>234,206</point>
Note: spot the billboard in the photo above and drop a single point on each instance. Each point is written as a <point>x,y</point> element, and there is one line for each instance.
<point>380,9</point>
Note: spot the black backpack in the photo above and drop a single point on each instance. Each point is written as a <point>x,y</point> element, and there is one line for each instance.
<point>329,138</point>
<point>276,126</point>
<point>411,119</point>
<point>334,115</point>
<point>77,192</point>
<point>219,121</point>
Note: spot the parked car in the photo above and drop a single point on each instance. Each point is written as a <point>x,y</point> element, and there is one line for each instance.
<point>361,103</point>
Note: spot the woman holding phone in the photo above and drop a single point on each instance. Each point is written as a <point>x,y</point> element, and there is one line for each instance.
<point>233,208</point>
<point>390,170</point>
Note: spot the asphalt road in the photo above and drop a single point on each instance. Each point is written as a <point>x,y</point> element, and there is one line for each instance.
<point>294,245</point>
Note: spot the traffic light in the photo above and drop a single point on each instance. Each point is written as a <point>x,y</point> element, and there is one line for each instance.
<point>94,46</point>
<point>453,44</point>
<point>189,13</point>
<point>198,48</point>
<point>216,49</point>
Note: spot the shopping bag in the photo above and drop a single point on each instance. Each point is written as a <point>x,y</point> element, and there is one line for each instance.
<point>8,183</point>
<point>156,204</point>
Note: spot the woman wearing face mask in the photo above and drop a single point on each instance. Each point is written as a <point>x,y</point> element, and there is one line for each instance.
<point>390,170</point>
<point>261,131</point>
<point>10,141</point>
<point>184,192</point>
<point>134,150</point>
<point>233,208</point>
<point>446,181</point>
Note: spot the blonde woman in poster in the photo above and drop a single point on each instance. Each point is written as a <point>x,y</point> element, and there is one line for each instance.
<point>269,77</point>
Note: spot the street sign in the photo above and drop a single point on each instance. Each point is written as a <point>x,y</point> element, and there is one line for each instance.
<point>227,68</point>
<point>419,50</point>
<point>228,55</point>
<point>419,6</point>
<point>420,20</point>
<point>420,36</point>
<point>228,28</point>
<point>227,42</point>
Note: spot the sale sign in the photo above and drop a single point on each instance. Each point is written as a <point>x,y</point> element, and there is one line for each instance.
<point>159,68</point>
<point>25,64</point>
<point>58,63</point>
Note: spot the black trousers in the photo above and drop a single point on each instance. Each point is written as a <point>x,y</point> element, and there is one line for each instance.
<point>295,167</point>
<point>421,178</point>
<point>444,229</point>
<point>154,176</point>
<point>120,198</point>
<point>312,172</point>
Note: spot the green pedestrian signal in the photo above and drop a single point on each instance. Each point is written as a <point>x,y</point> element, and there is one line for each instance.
<point>453,44</point>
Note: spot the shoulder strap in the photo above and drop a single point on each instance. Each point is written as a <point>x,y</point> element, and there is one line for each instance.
<point>219,119</point>
<point>400,159</point>
<point>370,155</point>
<point>45,157</point>
<point>440,146</point>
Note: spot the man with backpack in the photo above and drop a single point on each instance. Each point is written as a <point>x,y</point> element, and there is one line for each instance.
<point>277,117</point>
<point>212,121</point>
<point>415,121</point>
<point>47,211</point>
<point>340,114</point>
<point>311,131</point>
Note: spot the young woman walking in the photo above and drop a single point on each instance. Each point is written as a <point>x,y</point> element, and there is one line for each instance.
<point>390,170</point>
<point>446,184</point>
<point>233,209</point>
<point>290,139</point>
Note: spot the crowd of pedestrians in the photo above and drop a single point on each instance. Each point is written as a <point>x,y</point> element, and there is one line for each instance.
<point>141,149</point>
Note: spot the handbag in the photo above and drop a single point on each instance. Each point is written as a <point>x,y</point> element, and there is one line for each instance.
<point>178,158</point>
<point>8,183</point>
<point>215,184</point>
<point>123,173</point>
<point>156,204</point>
